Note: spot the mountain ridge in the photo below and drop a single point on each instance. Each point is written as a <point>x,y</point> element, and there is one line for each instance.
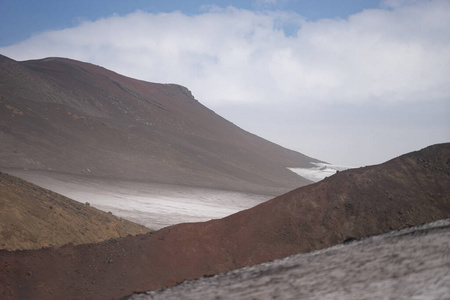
<point>68,116</point>
<point>406,191</point>
<point>406,264</point>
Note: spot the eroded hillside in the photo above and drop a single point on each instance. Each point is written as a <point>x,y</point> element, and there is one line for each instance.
<point>67,116</point>
<point>406,191</point>
<point>32,217</point>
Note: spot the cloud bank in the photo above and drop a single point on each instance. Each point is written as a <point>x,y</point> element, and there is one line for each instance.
<point>399,55</point>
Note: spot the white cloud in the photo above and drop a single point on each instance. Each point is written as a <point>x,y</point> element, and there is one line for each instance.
<point>239,55</point>
<point>400,54</point>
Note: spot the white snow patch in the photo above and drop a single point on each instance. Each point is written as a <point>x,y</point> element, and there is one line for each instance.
<point>150,204</point>
<point>319,172</point>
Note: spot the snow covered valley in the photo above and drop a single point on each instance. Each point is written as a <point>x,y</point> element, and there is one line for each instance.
<point>150,204</point>
<point>157,205</point>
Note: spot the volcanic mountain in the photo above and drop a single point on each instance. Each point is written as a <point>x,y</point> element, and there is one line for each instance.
<point>406,191</point>
<point>32,217</point>
<point>73,117</point>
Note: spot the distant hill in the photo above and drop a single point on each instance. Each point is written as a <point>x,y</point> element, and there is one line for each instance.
<point>68,116</point>
<point>406,191</point>
<point>32,217</point>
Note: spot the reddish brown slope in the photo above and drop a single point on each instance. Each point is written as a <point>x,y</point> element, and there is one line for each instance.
<point>68,116</point>
<point>409,190</point>
<point>32,217</point>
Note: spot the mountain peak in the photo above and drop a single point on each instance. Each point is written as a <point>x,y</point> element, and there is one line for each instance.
<point>68,116</point>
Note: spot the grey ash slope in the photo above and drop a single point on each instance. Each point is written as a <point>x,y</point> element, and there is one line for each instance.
<point>73,117</point>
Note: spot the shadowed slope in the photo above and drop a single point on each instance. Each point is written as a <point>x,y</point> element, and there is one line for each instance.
<point>73,117</point>
<point>32,217</point>
<point>409,190</point>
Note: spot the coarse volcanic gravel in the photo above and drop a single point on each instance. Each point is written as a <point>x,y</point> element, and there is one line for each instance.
<point>408,264</point>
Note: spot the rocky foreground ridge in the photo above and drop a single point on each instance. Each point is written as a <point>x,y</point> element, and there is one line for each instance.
<point>409,190</point>
<point>411,263</point>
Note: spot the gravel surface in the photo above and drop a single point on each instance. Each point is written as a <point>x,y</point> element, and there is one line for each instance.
<point>409,264</point>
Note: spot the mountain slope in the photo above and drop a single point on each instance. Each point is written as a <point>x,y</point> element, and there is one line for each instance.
<point>68,116</point>
<point>409,190</point>
<point>32,217</point>
<point>407,264</point>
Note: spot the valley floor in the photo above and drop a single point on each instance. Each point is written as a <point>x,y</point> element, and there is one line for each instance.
<point>150,204</point>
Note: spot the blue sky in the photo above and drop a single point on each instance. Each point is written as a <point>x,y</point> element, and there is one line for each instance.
<point>19,19</point>
<point>349,82</point>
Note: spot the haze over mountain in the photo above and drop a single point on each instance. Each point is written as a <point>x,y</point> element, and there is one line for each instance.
<point>67,116</point>
<point>406,191</point>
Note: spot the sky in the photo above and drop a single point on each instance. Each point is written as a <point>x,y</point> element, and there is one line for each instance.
<point>349,82</point>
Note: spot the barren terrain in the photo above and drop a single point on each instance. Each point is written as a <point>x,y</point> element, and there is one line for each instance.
<point>76,118</point>
<point>413,263</point>
<point>153,154</point>
<point>354,204</point>
<point>32,217</point>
